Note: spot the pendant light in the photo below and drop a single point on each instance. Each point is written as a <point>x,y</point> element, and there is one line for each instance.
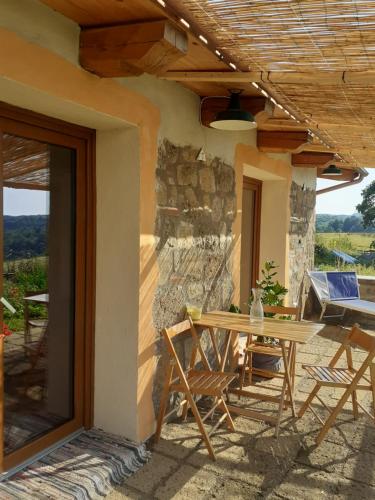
<point>234,118</point>
<point>332,170</point>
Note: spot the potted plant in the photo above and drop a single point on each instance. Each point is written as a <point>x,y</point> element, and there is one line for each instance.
<point>273,294</point>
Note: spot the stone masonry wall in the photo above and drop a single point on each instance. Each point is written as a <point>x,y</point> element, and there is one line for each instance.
<point>196,208</point>
<point>301,236</point>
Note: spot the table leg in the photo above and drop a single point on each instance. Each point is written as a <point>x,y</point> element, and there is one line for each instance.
<point>281,407</point>
<point>226,350</point>
<point>287,358</point>
<point>214,345</point>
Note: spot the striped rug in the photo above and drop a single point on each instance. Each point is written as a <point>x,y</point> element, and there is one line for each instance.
<point>86,468</point>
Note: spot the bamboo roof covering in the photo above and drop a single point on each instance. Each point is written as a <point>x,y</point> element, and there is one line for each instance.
<point>25,163</point>
<point>305,36</point>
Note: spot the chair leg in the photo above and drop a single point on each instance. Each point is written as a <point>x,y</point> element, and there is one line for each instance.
<point>243,372</point>
<point>229,419</point>
<point>250,375</point>
<point>306,404</point>
<point>185,410</point>
<point>280,410</point>
<point>355,405</point>
<point>163,403</point>
<point>330,420</point>
<point>372,376</point>
<point>201,427</point>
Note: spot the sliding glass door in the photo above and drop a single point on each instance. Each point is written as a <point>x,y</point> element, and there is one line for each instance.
<point>43,246</point>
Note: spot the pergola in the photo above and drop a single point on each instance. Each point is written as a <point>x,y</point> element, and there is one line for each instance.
<point>25,163</point>
<point>306,68</point>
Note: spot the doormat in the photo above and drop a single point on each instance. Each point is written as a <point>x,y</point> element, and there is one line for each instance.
<point>86,468</point>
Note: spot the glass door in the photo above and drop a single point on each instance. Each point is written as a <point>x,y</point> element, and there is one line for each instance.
<point>43,213</point>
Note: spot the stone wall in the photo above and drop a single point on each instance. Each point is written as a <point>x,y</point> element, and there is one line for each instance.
<point>196,208</point>
<point>301,234</point>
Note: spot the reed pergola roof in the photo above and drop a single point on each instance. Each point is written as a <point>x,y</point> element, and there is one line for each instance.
<point>25,163</point>
<point>317,42</point>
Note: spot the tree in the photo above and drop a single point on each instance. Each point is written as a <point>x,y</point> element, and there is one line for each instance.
<point>367,207</point>
<point>352,224</point>
<point>335,226</point>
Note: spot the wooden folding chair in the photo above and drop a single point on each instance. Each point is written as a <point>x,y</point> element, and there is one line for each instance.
<point>192,382</point>
<point>348,378</point>
<point>269,349</point>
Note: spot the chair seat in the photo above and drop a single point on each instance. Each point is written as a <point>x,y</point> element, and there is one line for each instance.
<point>331,376</point>
<point>207,383</point>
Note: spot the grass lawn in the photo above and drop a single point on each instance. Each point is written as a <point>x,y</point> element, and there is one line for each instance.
<point>352,243</point>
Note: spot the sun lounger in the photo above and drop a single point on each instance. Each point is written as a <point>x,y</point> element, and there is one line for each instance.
<point>341,289</point>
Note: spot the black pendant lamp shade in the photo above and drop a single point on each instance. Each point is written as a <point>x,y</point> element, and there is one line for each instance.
<point>234,118</point>
<point>332,170</point>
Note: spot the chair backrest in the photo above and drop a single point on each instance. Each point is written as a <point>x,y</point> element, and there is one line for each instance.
<point>180,329</point>
<point>282,311</point>
<point>359,338</point>
<point>320,285</point>
<point>342,285</point>
<point>362,339</point>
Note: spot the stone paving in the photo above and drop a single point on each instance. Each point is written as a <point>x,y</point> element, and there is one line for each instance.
<point>251,463</point>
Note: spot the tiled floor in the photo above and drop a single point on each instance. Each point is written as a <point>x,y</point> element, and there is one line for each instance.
<point>252,464</point>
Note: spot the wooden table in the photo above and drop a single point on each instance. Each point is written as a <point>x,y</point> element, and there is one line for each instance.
<point>42,298</point>
<point>288,333</point>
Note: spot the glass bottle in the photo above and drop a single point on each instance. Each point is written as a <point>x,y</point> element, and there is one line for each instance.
<point>256,309</point>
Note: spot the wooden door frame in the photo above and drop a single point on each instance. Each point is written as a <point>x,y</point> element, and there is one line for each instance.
<point>82,139</point>
<point>255,185</point>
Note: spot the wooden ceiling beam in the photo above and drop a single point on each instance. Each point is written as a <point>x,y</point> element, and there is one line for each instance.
<point>281,141</point>
<point>258,106</point>
<point>131,49</point>
<point>321,148</point>
<point>308,159</point>
<point>213,76</point>
<point>282,124</point>
<point>281,77</point>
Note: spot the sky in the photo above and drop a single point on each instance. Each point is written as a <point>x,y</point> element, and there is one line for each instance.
<point>25,202</point>
<point>343,201</point>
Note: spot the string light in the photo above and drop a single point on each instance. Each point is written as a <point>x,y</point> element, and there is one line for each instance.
<point>232,65</point>
<point>255,85</point>
<point>161,2</point>
<point>203,39</point>
<point>184,22</point>
<point>218,53</point>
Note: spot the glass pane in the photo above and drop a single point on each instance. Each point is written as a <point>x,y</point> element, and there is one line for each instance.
<point>38,280</point>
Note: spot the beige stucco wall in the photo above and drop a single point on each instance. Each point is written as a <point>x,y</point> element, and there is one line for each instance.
<point>275,173</point>
<point>117,305</point>
<point>39,71</point>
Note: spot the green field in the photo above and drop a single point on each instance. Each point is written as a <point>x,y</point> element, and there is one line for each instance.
<point>351,243</point>
<point>354,244</point>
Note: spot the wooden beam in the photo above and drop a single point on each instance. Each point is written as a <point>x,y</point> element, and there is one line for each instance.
<point>277,141</point>
<point>131,49</point>
<point>294,77</point>
<point>321,148</point>
<point>213,76</point>
<point>282,124</point>
<point>212,105</point>
<point>307,159</point>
